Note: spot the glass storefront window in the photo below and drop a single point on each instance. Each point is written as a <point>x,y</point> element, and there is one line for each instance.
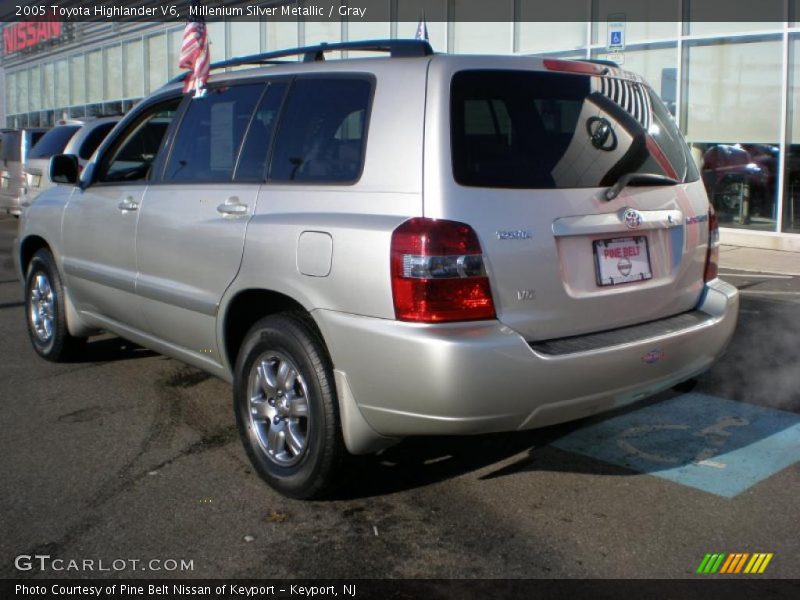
<point>11,93</point>
<point>132,82</point>
<point>245,38</point>
<point>156,62</point>
<point>216,40</point>
<point>94,80</point>
<point>368,30</point>
<point>658,65</point>
<point>22,92</point>
<point>62,82</point>
<point>35,99</point>
<point>476,37</point>
<point>791,202</point>
<point>732,107</point>
<point>330,32</point>
<point>113,66</point>
<point>533,38</point>
<point>281,35</point>
<point>174,41</point>
<point>49,86</point>
<point>77,69</point>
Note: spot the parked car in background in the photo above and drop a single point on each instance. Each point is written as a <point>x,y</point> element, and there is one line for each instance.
<point>78,137</point>
<point>15,144</point>
<point>740,180</point>
<point>368,249</point>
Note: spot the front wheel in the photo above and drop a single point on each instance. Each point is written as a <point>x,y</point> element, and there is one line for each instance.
<point>45,309</point>
<point>286,407</point>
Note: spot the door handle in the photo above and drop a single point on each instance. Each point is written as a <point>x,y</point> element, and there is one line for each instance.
<point>232,208</point>
<point>127,204</point>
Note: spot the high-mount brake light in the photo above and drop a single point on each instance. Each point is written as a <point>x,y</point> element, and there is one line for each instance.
<point>438,273</point>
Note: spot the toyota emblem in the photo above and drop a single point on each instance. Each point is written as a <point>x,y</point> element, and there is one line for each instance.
<point>632,218</point>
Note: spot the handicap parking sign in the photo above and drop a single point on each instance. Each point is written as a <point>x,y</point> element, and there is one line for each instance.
<point>616,37</point>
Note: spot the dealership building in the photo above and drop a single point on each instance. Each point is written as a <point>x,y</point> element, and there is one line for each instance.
<point>732,86</point>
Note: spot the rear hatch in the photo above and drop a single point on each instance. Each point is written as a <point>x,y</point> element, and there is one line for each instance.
<point>535,155</point>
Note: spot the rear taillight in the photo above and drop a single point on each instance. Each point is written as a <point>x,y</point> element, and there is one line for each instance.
<point>712,257</point>
<point>438,273</point>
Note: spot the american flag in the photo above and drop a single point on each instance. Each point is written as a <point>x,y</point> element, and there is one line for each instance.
<point>195,54</point>
<point>422,29</point>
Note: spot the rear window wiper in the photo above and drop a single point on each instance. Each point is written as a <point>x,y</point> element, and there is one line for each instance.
<point>640,178</point>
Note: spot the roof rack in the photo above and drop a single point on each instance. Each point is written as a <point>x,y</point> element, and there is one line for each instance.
<point>395,49</point>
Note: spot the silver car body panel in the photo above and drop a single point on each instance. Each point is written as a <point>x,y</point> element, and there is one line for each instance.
<point>167,274</point>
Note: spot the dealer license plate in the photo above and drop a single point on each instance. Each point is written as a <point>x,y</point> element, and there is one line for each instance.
<point>622,260</point>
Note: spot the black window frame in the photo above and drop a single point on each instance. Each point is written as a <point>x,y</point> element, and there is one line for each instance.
<point>372,80</point>
<point>111,143</point>
<point>285,79</point>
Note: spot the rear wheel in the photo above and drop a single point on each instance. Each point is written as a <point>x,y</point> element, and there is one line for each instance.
<point>286,407</point>
<point>45,309</point>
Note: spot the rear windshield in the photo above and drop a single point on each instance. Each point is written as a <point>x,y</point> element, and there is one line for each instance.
<point>53,142</point>
<point>543,130</point>
<point>10,149</point>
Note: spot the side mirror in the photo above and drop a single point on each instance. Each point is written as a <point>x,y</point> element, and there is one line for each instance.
<point>64,168</point>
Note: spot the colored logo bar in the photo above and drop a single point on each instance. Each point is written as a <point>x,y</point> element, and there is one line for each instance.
<point>735,563</point>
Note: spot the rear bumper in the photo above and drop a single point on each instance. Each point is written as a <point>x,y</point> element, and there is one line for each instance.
<point>466,378</point>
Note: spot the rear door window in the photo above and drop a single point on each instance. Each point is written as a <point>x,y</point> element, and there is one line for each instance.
<point>54,141</point>
<point>210,135</point>
<point>323,132</point>
<point>546,130</point>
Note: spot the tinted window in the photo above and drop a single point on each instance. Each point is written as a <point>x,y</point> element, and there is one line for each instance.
<point>210,134</point>
<point>53,142</point>
<point>135,150</point>
<point>93,140</point>
<point>36,136</point>
<point>253,158</point>
<point>323,131</point>
<point>11,149</point>
<point>523,129</point>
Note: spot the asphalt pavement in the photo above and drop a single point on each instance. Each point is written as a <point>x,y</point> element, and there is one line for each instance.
<point>131,456</point>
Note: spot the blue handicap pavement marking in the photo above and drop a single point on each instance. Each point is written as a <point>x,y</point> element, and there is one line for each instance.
<point>709,443</point>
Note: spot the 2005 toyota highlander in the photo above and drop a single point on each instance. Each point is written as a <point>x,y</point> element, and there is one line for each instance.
<point>373,248</point>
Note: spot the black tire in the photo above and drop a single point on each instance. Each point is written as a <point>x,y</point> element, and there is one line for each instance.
<point>298,456</point>
<point>52,342</point>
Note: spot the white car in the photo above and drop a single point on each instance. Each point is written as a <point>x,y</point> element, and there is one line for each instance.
<point>79,137</point>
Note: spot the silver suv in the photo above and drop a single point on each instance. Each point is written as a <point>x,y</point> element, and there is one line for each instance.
<point>376,248</point>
